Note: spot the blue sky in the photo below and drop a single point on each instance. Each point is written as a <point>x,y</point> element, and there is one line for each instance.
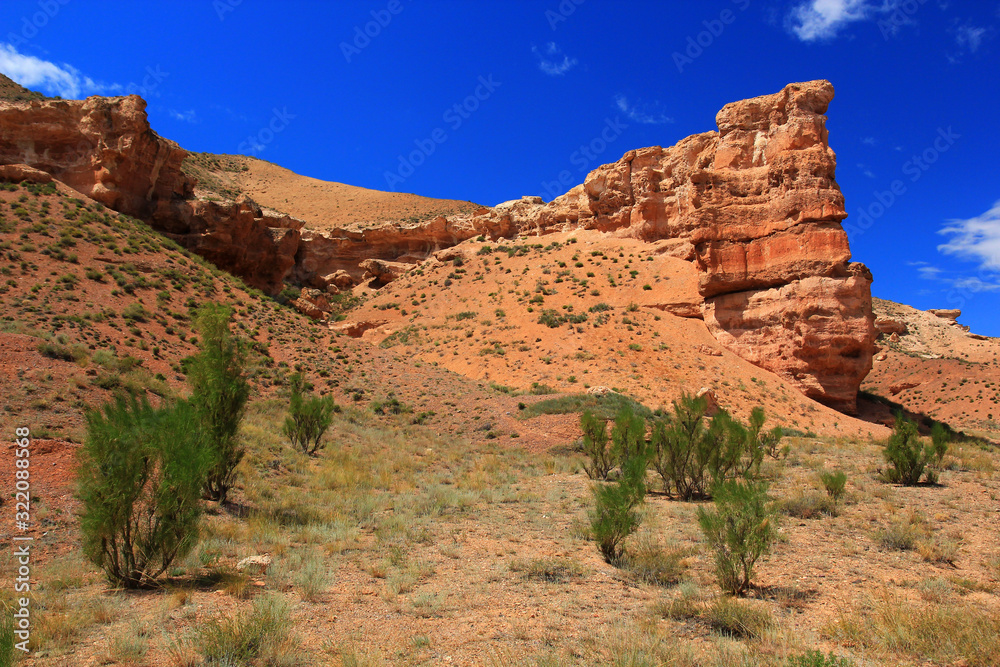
<point>493,100</point>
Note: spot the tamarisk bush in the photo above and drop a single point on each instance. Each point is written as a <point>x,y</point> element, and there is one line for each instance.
<point>595,446</point>
<point>140,481</point>
<point>614,516</point>
<point>740,530</point>
<point>909,457</point>
<point>219,393</point>
<point>692,453</point>
<point>310,416</point>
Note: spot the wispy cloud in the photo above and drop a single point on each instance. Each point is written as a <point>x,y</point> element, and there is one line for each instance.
<point>970,37</point>
<point>929,272</point>
<point>817,20</point>
<point>956,280</point>
<point>868,141</point>
<point>63,80</point>
<point>976,239</point>
<point>552,61</point>
<point>866,170</point>
<point>646,114</point>
<point>189,116</point>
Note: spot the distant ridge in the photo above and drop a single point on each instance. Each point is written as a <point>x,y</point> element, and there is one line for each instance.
<point>11,91</point>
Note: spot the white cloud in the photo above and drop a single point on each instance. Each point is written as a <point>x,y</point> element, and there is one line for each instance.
<point>641,113</point>
<point>866,170</point>
<point>552,61</point>
<point>929,272</point>
<point>976,239</point>
<point>189,116</point>
<point>63,80</point>
<point>815,20</point>
<point>868,141</point>
<point>970,37</point>
<point>974,285</point>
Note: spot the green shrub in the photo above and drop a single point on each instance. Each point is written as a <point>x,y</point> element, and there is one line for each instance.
<point>691,456</point>
<point>628,436</point>
<point>740,530</point>
<point>219,392</point>
<point>595,446</point>
<point>908,455</point>
<point>550,318</point>
<point>134,312</point>
<point>310,416</point>
<point>834,483</point>
<point>56,350</point>
<point>817,659</point>
<point>141,476</point>
<point>939,442</point>
<point>614,516</point>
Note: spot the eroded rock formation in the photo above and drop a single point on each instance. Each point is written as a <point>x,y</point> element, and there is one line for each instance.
<point>754,206</point>
<point>104,148</point>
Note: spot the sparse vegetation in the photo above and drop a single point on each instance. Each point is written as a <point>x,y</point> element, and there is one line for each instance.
<point>310,416</point>
<point>141,475</point>
<point>219,392</point>
<point>739,530</point>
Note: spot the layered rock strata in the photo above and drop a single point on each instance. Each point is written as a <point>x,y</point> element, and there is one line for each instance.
<point>753,206</point>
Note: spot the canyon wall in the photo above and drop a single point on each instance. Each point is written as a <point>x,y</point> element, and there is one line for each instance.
<point>104,148</point>
<point>754,206</point>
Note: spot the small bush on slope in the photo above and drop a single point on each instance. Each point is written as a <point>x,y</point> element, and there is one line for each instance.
<point>219,392</point>
<point>141,478</point>
<point>309,418</point>
<point>740,530</point>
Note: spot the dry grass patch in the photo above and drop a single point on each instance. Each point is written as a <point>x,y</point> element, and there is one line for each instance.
<point>945,632</point>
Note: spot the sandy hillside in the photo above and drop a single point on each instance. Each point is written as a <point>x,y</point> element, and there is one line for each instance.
<point>938,369</point>
<point>574,311</point>
<point>321,204</point>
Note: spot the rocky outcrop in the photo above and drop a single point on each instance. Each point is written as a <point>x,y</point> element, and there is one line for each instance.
<point>757,209</point>
<point>889,326</point>
<point>946,313</point>
<point>384,272</point>
<point>754,207</point>
<point>312,303</point>
<point>105,149</point>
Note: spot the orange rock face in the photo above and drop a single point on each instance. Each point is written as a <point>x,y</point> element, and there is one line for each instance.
<point>105,149</point>
<point>754,207</point>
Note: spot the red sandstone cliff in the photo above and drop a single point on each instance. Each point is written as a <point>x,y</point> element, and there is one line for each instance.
<point>754,206</point>
<point>105,149</point>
